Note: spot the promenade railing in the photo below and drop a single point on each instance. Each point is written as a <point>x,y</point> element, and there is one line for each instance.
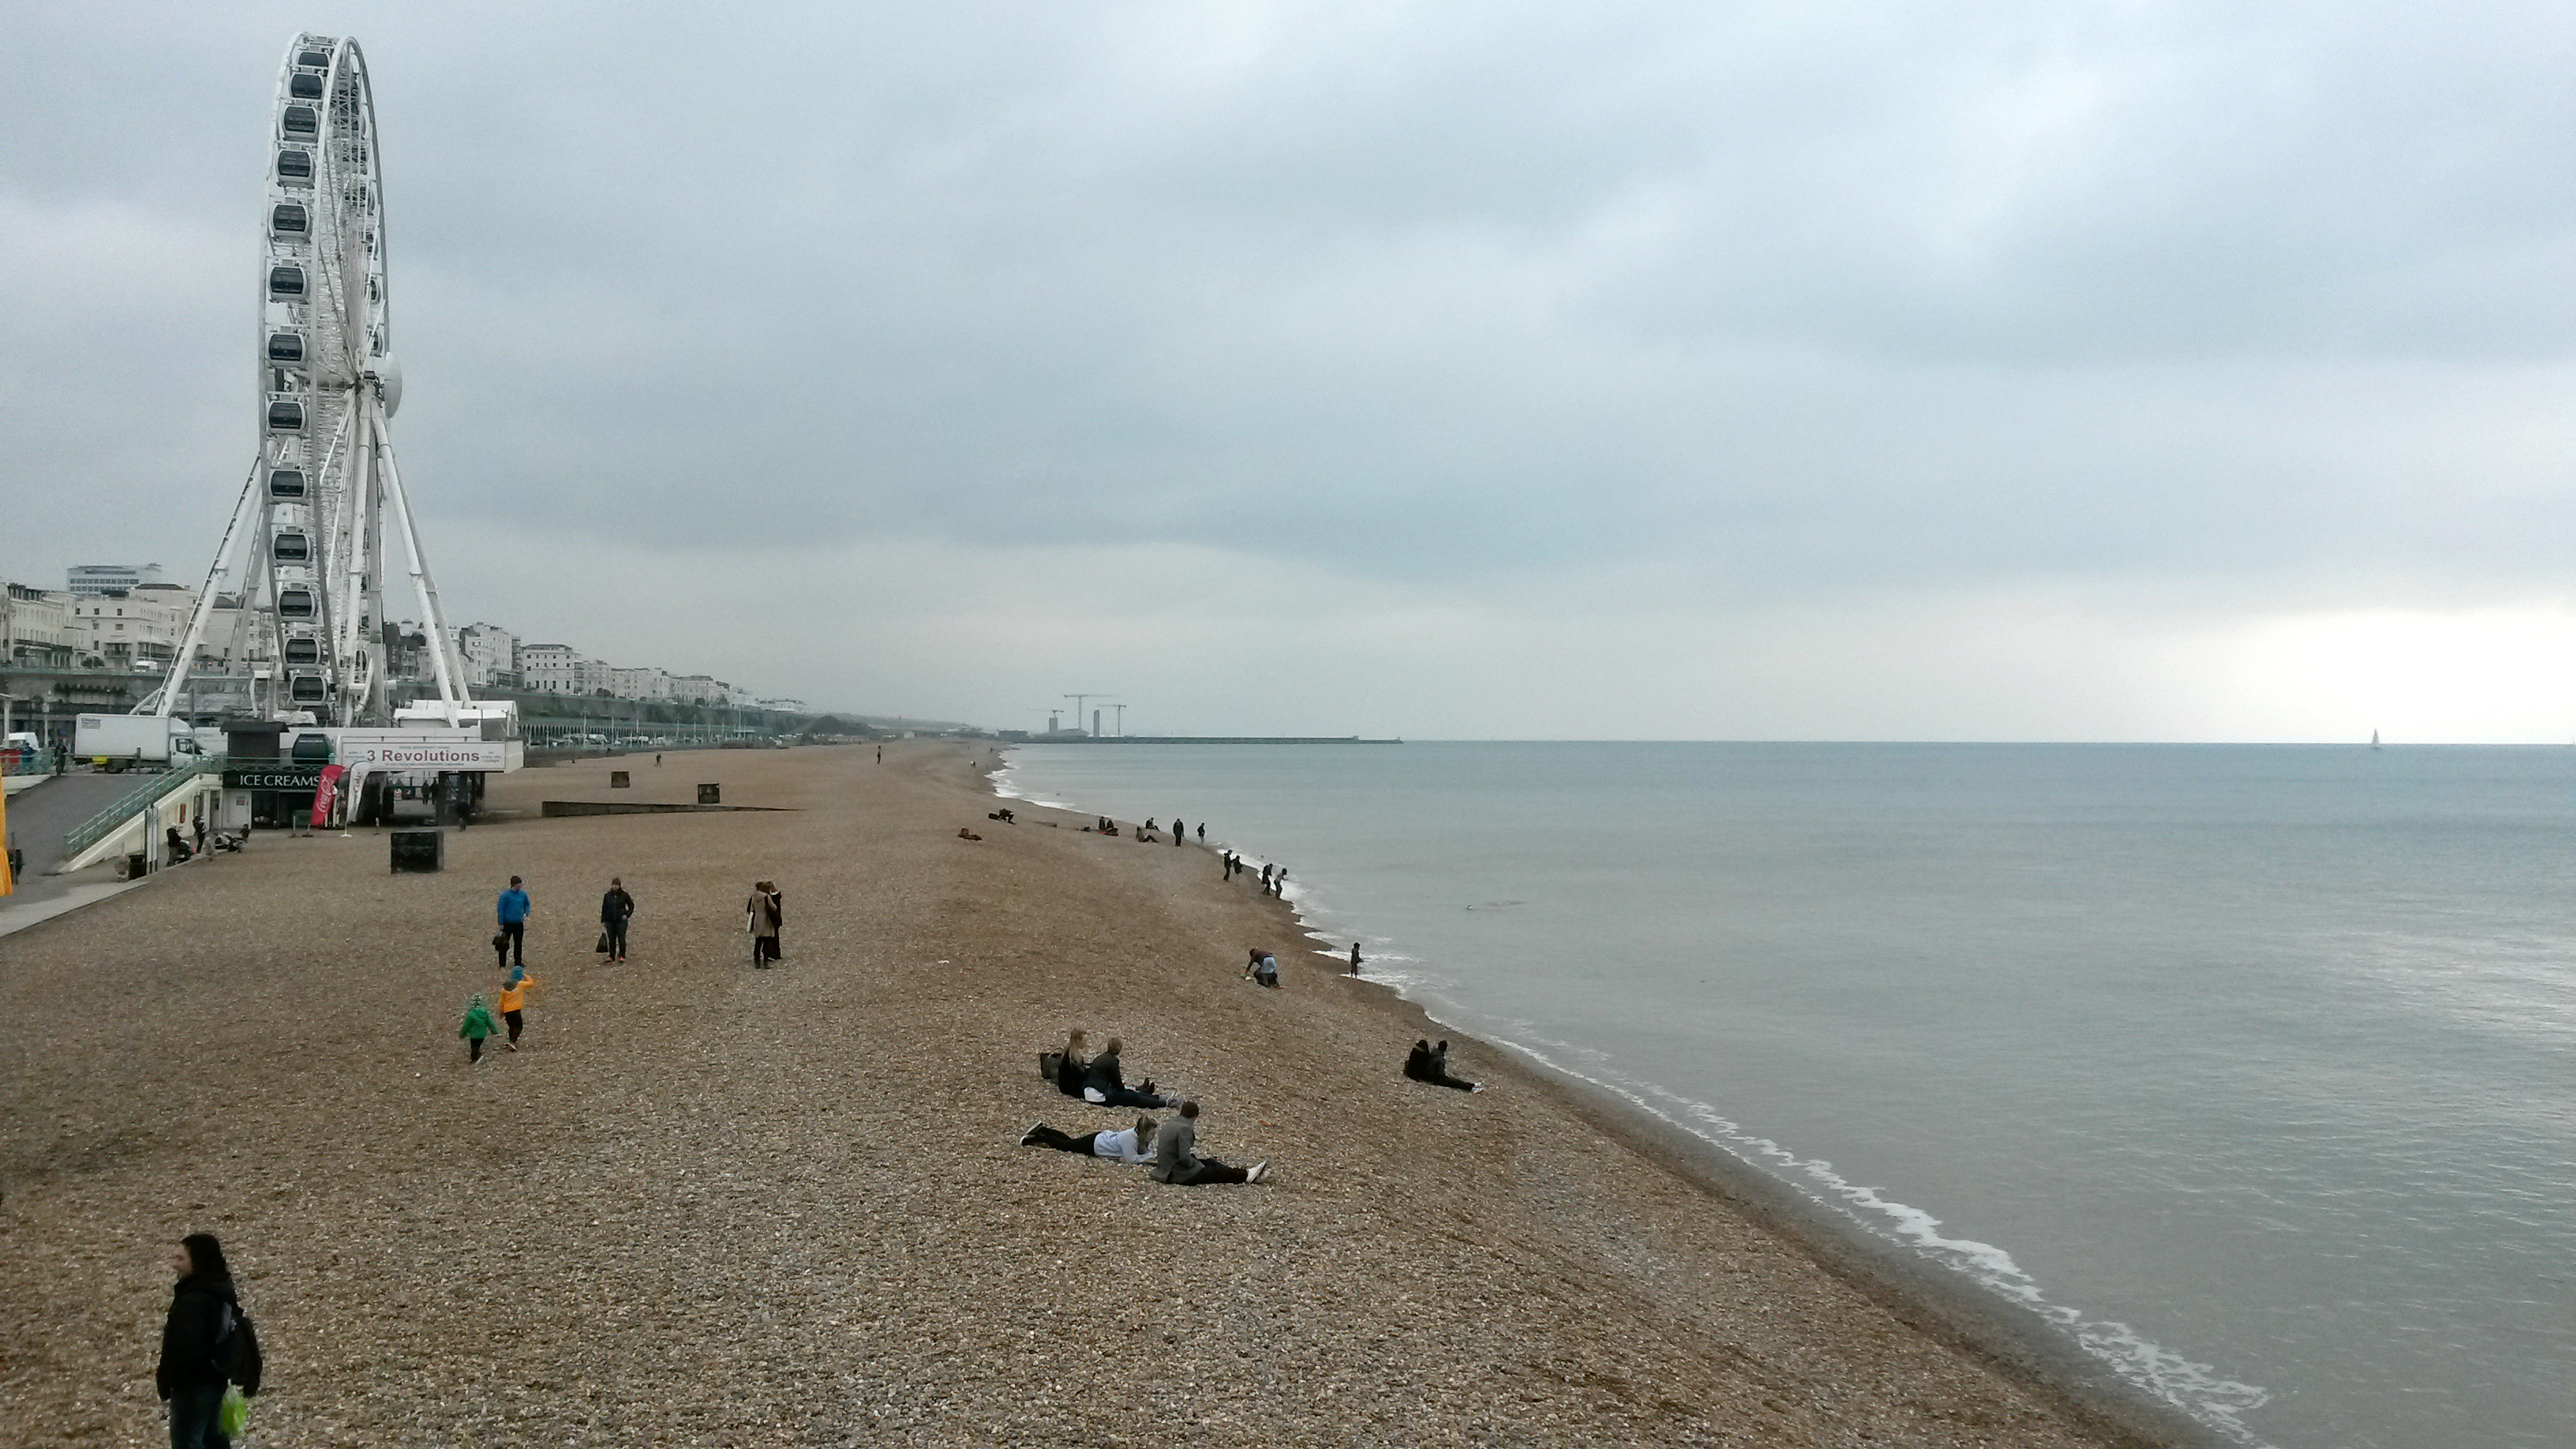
<point>150,788</point>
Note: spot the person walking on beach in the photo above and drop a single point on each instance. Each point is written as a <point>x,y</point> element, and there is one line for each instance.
<point>615,909</point>
<point>477,1026</point>
<point>1202,832</point>
<point>1355,958</point>
<point>765,912</point>
<point>513,912</point>
<point>1131,1145</point>
<point>1176,1159</point>
<point>199,1351</point>
<point>1176,831</point>
<point>514,1003</point>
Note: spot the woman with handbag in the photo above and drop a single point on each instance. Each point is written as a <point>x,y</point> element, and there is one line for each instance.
<point>615,909</point>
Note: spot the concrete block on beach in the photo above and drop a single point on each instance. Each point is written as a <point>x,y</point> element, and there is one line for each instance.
<point>418,852</point>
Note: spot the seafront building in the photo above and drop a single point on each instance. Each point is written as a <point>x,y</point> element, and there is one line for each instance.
<point>110,578</point>
<point>102,645</point>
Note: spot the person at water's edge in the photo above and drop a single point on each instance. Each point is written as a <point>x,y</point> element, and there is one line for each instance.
<point>202,1310</point>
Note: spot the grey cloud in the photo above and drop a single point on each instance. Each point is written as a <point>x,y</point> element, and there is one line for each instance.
<point>1789,301</point>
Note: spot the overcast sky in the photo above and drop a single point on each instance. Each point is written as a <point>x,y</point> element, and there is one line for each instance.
<point>1801,370</point>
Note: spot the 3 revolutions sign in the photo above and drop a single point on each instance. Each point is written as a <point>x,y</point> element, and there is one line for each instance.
<point>380,755</point>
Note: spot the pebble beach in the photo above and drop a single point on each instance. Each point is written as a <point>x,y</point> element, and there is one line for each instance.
<point>707,1205</point>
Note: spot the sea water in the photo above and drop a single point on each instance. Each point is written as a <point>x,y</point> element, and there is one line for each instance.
<point>2247,1068</point>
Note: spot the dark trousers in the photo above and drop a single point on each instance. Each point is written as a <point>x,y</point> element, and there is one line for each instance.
<point>1125,1097</point>
<point>765,948</point>
<point>1044,1136</point>
<point>617,939</point>
<point>517,931</point>
<point>474,1048</point>
<point>1211,1170</point>
<point>1443,1079</point>
<point>516,1021</point>
<point>192,1417</point>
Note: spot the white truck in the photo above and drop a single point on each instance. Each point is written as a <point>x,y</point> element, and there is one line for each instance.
<point>125,741</point>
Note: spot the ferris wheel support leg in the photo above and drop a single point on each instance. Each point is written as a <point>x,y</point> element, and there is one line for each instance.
<point>349,543</point>
<point>205,609</point>
<point>422,584</point>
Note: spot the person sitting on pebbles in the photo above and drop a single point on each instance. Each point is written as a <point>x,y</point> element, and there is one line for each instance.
<point>1104,1084</point>
<point>1131,1145</point>
<point>1427,1063</point>
<point>1262,968</point>
<point>1071,1063</point>
<point>1176,1159</point>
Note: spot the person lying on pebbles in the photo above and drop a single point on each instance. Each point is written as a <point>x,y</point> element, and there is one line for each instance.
<point>1176,1159</point>
<point>1427,1063</point>
<point>1104,1083</point>
<point>1133,1145</point>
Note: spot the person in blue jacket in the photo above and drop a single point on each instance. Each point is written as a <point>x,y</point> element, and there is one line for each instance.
<point>514,922</point>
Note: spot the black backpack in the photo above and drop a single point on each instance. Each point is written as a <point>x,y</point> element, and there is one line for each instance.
<point>237,1351</point>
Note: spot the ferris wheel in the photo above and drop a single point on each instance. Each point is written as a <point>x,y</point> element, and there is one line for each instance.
<point>324,488</point>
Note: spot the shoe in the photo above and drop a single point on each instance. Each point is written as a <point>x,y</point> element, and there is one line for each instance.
<point>1477,1088</point>
<point>1260,1173</point>
<point>1030,1137</point>
<point>514,1046</point>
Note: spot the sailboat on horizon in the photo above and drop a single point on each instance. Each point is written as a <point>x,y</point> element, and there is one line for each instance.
<point>2374,739</point>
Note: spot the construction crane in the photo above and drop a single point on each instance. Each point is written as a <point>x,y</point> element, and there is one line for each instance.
<point>1077,708</point>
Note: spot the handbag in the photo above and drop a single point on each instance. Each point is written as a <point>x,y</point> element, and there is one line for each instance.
<point>602,947</point>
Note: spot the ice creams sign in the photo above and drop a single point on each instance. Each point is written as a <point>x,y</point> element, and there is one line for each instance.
<point>391,755</point>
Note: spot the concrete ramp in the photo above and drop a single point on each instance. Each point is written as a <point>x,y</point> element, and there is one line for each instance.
<point>41,815</point>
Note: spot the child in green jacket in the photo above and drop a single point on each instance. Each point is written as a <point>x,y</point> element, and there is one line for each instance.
<point>478,1025</point>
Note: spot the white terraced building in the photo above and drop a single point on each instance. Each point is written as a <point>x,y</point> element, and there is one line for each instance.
<point>560,669</point>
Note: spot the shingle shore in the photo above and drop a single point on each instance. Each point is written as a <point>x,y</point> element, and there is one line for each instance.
<point>713,1206</point>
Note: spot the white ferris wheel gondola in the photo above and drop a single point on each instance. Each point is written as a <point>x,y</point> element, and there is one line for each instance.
<point>324,487</point>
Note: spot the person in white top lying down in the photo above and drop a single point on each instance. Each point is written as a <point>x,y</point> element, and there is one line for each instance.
<point>1131,1145</point>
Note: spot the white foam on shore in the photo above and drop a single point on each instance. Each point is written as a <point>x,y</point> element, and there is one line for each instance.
<point>2197,1389</point>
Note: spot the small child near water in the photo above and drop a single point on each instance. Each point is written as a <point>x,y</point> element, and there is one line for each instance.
<point>477,1026</point>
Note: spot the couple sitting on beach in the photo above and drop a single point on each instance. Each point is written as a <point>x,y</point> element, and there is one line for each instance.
<point>1172,1147</point>
<point>1099,1080</point>
<point>1427,1063</point>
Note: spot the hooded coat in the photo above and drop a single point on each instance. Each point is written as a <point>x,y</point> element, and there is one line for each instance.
<point>201,1311</point>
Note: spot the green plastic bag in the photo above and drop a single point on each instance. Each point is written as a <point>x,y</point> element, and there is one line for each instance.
<point>233,1419</point>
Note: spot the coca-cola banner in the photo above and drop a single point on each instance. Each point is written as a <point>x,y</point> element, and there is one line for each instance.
<point>325,793</point>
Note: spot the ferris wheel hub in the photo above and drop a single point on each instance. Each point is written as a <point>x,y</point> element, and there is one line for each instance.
<point>386,373</point>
